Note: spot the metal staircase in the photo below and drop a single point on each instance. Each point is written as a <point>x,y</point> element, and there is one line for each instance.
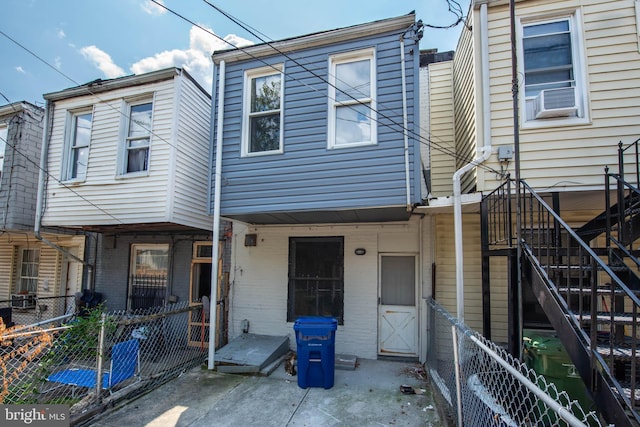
<point>585,281</point>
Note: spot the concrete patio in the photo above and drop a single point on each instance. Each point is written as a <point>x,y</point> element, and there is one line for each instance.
<point>367,396</point>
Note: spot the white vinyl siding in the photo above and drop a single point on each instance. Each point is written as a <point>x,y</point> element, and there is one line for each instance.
<point>441,137</point>
<point>166,192</point>
<point>570,157</point>
<point>446,270</point>
<point>466,131</point>
<point>49,268</point>
<point>352,99</point>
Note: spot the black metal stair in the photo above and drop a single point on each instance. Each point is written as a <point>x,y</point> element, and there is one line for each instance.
<point>590,295</point>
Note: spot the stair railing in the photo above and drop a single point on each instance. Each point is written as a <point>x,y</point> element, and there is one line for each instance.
<point>577,275</point>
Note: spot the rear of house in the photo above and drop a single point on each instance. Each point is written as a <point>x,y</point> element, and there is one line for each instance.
<point>317,142</point>
<point>128,162</point>
<point>35,279</point>
<point>578,68</point>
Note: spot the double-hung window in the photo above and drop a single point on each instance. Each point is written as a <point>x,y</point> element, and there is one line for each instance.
<point>4,134</point>
<point>553,68</point>
<point>29,269</point>
<point>138,138</point>
<point>262,123</point>
<point>79,136</point>
<point>352,94</point>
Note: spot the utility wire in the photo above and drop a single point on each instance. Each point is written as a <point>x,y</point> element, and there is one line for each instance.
<point>88,88</point>
<point>420,138</point>
<point>30,160</point>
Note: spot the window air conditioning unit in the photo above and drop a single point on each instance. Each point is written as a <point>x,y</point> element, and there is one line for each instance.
<point>23,300</point>
<point>556,103</point>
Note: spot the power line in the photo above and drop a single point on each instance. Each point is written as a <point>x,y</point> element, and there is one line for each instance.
<point>419,137</point>
<point>15,149</point>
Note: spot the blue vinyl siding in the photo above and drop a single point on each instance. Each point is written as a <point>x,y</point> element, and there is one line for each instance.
<point>308,176</point>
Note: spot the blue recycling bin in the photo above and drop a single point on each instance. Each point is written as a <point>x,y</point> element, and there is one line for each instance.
<point>316,343</point>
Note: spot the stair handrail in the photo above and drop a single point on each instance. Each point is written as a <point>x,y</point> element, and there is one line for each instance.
<point>583,244</point>
<point>621,152</point>
<point>597,264</point>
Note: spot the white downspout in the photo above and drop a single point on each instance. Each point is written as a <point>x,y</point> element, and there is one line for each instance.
<point>44,160</point>
<point>215,238</point>
<point>404,126</point>
<point>483,155</point>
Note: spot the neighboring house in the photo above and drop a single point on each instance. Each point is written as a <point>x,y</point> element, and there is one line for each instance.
<point>29,269</point>
<point>320,172</point>
<point>128,162</point>
<point>578,71</point>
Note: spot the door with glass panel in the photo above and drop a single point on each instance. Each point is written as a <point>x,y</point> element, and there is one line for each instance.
<point>397,312</point>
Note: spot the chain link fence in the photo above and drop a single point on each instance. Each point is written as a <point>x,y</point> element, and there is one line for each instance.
<point>481,384</point>
<point>92,361</point>
<point>30,309</point>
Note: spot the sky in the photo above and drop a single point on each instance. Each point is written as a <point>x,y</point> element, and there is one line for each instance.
<point>50,45</point>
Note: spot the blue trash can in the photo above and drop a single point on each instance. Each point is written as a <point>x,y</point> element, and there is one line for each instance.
<point>316,343</point>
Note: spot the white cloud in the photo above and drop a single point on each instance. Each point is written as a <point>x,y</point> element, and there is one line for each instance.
<point>102,61</point>
<point>196,59</point>
<point>20,69</point>
<point>61,34</point>
<point>152,8</point>
<point>58,62</point>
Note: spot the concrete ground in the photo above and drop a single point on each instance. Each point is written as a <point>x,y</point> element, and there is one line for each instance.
<point>367,396</point>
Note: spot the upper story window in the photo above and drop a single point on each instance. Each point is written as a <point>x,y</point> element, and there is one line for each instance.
<point>4,134</point>
<point>352,105</point>
<point>554,86</point>
<point>77,154</point>
<point>138,138</point>
<point>262,117</point>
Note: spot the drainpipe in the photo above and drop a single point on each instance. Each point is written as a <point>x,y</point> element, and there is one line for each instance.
<point>44,159</point>
<point>215,238</point>
<point>405,131</point>
<point>483,155</point>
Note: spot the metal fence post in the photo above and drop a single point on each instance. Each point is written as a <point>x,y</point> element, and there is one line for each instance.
<point>456,364</point>
<point>100,357</point>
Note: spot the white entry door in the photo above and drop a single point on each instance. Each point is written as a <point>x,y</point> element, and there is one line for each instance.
<point>397,313</point>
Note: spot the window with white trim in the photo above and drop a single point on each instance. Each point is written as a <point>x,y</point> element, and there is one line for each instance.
<point>137,138</point>
<point>148,277</point>
<point>4,134</point>
<point>554,86</point>
<point>29,266</point>
<point>352,94</point>
<point>77,153</point>
<point>262,116</point>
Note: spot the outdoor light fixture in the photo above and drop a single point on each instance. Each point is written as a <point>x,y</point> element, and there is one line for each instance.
<point>360,251</point>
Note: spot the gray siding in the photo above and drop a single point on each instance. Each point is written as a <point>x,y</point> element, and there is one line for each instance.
<point>18,187</point>
<point>112,267</point>
<point>308,176</point>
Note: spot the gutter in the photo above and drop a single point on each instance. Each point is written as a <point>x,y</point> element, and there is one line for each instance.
<point>44,158</point>
<point>483,155</point>
<point>215,237</point>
